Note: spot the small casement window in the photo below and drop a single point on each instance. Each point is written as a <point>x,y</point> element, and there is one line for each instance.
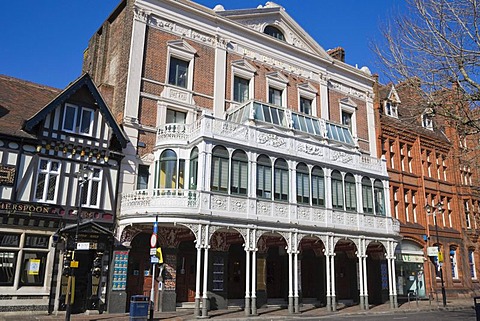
<point>264,177</point>
<point>367,195</point>
<point>194,168</point>
<point>471,263</point>
<point>178,72</point>
<point>168,169</point>
<point>427,121</point>
<point>239,180</point>
<point>303,184</point>
<point>275,96</point>
<point>350,193</point>
<point>274,32</point>
<point>281,180</point>
<point>175,117</point>
<point>347,120</point>
<point>48,176</point>
<point>241,89</point>
<point>220,169</point>
<point>453,261</point>
<point>90,185</point>
<point>305,105</point>
<point>78,119</point>
<point>391,109</point>
<point>379,198</point>
<point>318,187</point>
<point>337,190</point>
<point>142,177</point>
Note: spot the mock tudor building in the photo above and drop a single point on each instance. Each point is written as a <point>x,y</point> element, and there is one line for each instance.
<point>432,192</point>
<point>255,152</point>
<point>47,138</point>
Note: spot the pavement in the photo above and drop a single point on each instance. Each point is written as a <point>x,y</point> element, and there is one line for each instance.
<point>270,313</point>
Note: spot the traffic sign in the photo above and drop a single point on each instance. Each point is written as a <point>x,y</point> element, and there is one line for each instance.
<point>153,251</point>
<point>153,259</point>
<point>153,240</point>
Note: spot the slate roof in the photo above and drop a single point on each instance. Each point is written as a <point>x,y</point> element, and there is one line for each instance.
<point>20,100</point>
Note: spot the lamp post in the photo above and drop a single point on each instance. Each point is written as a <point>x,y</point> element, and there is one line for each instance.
<point>433,210</point>
<point>82,179</point>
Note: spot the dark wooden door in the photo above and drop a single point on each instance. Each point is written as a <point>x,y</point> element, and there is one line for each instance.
<point>275,277</point>
<point>236,273</point>
<point>186,277</point>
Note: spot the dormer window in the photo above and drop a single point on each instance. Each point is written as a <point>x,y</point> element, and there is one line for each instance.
<point>427,121</point>
<point>274,32</point>
<point>391,109</point>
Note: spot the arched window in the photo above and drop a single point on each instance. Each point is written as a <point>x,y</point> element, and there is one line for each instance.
<point>281,180</point>
<point>168,169</point>
<point>303,184</point>
<point>350,193</point>
<point>367,195</point>
<point>379,198</point>
<point>264,177</point>
<point>194,168</point>
<point>318,187</point>
<point>274,32</point>
<point>220,161</point>
<point>337,190</point>
<point>239,180</point>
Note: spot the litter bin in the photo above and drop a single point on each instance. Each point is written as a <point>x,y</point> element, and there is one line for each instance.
<point>139,308</point>
<point>476,300</point>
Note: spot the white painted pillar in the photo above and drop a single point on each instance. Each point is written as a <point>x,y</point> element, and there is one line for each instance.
<point>196,311</point>
<point>295,274</point>
<point>328,187</point>
<point>254,273</point>
<point>365,280</point>
<point>332,269</point>
<point>394,276</point>
<point>360,277</point>
<point>247,274</point>
<point>324,108</point>
<point>328,275</point>
<point>205,274</point>
<point>290,275</point>
<point>390,276</point>
<point>219,80</point>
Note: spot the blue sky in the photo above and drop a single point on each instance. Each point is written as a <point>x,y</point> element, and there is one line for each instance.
<point>43,41</point>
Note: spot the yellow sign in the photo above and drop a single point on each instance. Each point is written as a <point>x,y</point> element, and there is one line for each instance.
<point>74,264</point>
<point>159,255</point>
<point>440,257</point>
<point>33,266</point>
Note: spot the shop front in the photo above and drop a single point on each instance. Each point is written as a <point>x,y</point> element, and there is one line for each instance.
<point>410,270</point>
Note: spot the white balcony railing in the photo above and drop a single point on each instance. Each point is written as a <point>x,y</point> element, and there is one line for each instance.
<point>164,202</point>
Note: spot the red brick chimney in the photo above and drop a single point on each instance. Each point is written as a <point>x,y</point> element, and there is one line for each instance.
<point>337,53</point>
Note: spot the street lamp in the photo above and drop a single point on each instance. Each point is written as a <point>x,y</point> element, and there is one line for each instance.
<point>433,210</point>
<point>82,176</point>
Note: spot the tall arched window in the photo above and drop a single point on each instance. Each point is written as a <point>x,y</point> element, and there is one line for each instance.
<point>379,198</point>
<point>239,180</point>
<point>318,187</point>
<point>367,195</point>
<point>281,180</point>
<point>264,177</point>
<point>168,169</point>
<point>220,161</point>
<point>337,190</point>
<point>350,193</point>
<point>193,168</point>
<point>303,184</point>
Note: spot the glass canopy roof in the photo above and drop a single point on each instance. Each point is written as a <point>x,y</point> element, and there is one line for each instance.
<point>291,120</point>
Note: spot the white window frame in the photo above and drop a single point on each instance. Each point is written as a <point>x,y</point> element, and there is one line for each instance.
<point>453,263</point>
<point>393,108</point>
<point>277,81</point>
<point>78,113</point>
<point>87,181</point>
<point>183,51</point>
<point>306,91</point>
<point>243,69</point>
<point>427,122</point>
<point>347,105</point>
<point>48,173</point>
<point>471,264</point>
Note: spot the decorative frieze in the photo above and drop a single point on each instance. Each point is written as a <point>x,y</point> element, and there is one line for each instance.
<point>347,89</point>
<point>271,140</point>
<point>341,157</point>
<point>310,149</point>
